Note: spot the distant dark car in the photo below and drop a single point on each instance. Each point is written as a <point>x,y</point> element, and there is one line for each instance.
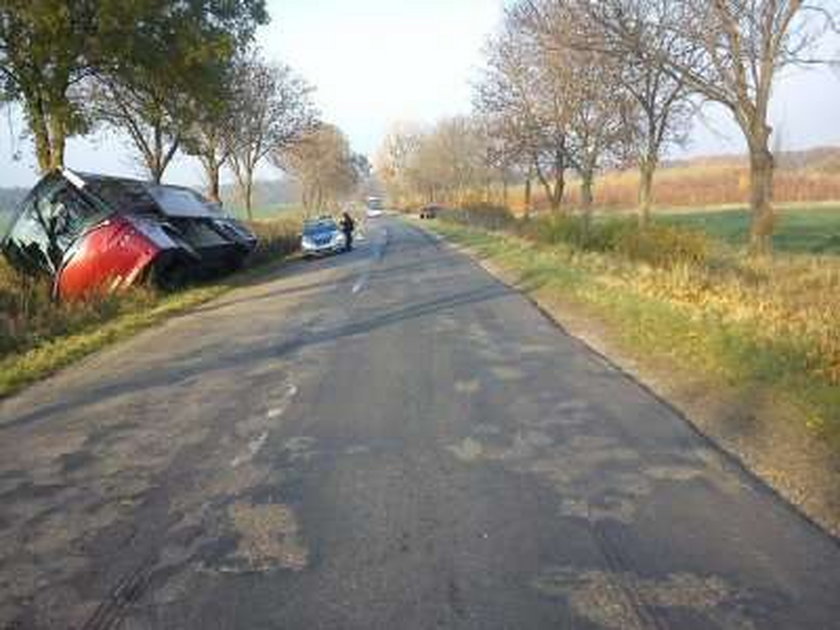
<point>430,211</point>
<point>322,236</point>
<point>93,234</point>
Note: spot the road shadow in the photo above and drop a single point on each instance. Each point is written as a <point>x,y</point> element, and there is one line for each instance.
<point>256,352</point>
<point>301,269</point>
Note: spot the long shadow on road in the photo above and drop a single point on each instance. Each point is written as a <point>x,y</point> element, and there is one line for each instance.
<point>254,353</point>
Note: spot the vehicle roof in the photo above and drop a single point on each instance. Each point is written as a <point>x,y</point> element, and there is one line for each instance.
<point>172,200</point>
<point>135,196</point>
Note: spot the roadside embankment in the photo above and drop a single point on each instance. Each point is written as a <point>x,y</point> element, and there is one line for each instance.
<point>39,336</point>
<point>748,350</point>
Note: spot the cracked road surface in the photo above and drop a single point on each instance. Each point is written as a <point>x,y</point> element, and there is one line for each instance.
<point>384,439</point>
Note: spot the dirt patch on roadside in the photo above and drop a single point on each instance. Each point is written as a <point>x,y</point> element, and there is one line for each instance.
<point>768,435</point>
<point>626,601</point>
<point>269,536</point>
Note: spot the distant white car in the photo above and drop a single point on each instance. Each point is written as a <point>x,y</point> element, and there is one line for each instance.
<point>374,207</point>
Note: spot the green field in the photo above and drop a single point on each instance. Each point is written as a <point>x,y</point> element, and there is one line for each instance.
<point>799,230</point>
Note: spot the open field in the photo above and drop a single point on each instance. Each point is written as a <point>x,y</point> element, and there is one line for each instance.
<point>803,180</point>
<point>800,228</point>
<point>801,177</point>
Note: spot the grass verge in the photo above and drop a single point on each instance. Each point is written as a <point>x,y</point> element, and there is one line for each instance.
<point>746,351</point>
<point>20,369</point>
<point>39,337</point>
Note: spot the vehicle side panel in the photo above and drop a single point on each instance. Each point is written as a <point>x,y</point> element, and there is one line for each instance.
<point>113,254</point>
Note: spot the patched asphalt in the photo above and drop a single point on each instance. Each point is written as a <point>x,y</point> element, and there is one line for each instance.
<point>389,438</point>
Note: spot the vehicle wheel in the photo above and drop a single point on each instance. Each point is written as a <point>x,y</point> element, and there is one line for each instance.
<point>170,275</point>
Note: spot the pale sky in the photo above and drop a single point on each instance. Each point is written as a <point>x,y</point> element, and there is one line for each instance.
<point>376,62</point>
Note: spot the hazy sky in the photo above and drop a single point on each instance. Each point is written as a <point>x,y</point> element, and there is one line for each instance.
<point>374,62</point>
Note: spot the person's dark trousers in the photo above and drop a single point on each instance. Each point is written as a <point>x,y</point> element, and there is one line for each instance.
<point>348,235</point>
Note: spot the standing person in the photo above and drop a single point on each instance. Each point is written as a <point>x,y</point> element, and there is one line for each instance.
<point>347,226</point>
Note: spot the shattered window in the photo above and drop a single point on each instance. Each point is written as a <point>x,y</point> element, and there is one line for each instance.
<point>121,195</point>
<point>49,223</point>
<point>67,214</point>
<point>28,244</point>
<point>183,202</point>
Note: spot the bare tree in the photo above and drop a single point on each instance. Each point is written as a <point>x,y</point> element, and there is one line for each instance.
<point>151,114</point>
<point>664,100</point>
<point>211,135</point>
<point>599,111</point>
<point>273,111</point>
<point>622,34</point>
<point>211,141</point>
<point>501,156</point>
<point>575,91</point>
<point>452,156</point>
<point>528,106</point>
<point>499,160</point>
<point>730,52</point>
<point>395,159</point>
<point>325,166</point>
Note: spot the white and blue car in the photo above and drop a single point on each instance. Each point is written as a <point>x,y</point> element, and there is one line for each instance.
<point>322,236</point>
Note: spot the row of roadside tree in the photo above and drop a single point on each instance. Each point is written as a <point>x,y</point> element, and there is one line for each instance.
<point>586,85</point>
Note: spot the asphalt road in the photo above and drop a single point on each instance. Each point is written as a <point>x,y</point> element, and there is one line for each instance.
<point>384,439</point>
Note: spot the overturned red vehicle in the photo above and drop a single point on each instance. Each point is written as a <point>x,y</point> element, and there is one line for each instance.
<point>94,234</point>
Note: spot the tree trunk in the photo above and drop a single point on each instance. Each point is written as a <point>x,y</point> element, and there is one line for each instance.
<point>155,170</point>
<point>248,190</point>
<point>48,132</point>
<point>586,198</point>
<point>528,195</point>
<point>646,171</point>
<point>57,143</point>
<point>761,196</point>
<point>213,188</point>
<point>50,135</point>
<point>43,149</point>
<point>559,189</point>
<point>586,195</point>
<point>554,194</point>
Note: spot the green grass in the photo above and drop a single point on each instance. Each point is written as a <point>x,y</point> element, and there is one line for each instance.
<point>798,230</point>
<point>20,369</point>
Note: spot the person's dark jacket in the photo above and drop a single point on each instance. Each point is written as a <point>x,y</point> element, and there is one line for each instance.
<point>347,224</point>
